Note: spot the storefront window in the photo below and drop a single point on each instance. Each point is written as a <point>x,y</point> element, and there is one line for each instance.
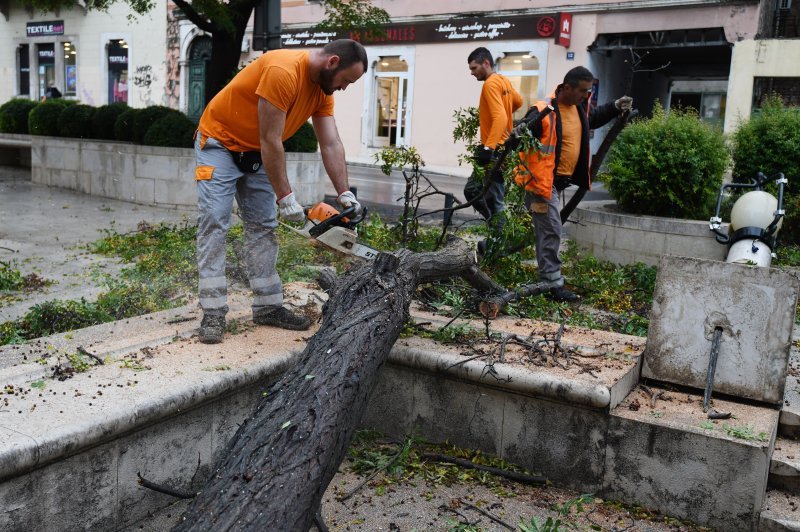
<point>389,107</point>
<point>70,69</point>
<point>23,60</point>
<point>117,71</point>
<point>522,70</point>
<point>46,56</point>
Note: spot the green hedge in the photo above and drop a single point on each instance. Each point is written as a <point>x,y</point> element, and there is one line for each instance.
<point>76,122</point>
<point>668,165</point>
<point>174,129</point>
<point>43,119</point>
<point>123,125</point>
<point>14,115</point>
<point>104,119</point>
<point>147,117</point>
<point>770,142</point>
<point>303,141</point>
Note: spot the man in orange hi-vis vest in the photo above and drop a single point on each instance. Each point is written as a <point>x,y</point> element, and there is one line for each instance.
<point>239,153</point>
<point>499,100</point>
<point>562,160</point>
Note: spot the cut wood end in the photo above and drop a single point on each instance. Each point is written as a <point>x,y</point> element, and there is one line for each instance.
<point>489,309</point>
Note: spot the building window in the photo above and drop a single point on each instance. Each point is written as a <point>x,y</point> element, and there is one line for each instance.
<point>390,90</point>
<point>46,68</point>
<point>23,60</point>
<point>117,71</point>
<point>522,70</point>
<point>788,89</point>
<point>70,69</point>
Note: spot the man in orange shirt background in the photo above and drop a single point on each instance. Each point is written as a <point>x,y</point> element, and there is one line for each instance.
<point>239,154</point>
<point>499,100</point>
<point>562,160</point>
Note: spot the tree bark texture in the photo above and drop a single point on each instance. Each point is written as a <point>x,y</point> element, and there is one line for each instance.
<point>279,463</point>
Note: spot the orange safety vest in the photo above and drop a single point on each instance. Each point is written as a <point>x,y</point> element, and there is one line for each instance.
<point>537,168</point>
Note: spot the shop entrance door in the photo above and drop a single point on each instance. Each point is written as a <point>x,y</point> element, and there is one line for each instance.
<point>389,107</point>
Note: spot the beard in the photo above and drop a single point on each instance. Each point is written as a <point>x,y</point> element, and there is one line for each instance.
<point>326,81</point>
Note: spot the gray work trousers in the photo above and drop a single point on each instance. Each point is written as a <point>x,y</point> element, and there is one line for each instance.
<point>489,204</point>
<point>256,200</point>
<point>547,223</point>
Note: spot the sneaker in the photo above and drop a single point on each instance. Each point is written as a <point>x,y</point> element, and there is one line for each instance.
<point>281,317</point>
<point>560,293</point>
<point>212,329</point>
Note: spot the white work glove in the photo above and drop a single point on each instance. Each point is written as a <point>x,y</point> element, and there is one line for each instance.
<point>624,104</point>
<point>290,210</point>
<point>347,200</point>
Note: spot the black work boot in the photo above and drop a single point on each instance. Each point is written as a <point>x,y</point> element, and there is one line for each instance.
<point>560,293</point>
<point>212,328</point>
<point>281,317</point>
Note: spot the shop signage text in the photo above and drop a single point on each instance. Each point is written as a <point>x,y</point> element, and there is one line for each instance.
<point>123,59</point>
<point>44,29</point>
<point>466,29</point>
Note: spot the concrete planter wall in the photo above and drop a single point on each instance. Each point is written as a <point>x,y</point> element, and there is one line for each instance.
<point>150,175</point>
<point>623,238</point>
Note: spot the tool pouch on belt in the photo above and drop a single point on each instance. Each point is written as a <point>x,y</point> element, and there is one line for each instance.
<point>561,182</point>
<point>248,162</point>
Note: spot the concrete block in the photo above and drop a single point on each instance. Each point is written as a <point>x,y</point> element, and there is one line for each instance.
<point>665,460</point>
<point>67,179</point>
<point>144,191</point>
<point>63,156</point>
<point>784,467</point>
<point>437,409</point>
<point>755,309</point>
<point>181,190</point>
<point>163,455</point>
<point>562,442</point>
<point>156,166</point>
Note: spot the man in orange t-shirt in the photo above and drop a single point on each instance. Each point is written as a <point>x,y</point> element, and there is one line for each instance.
<point>564,158</point>
<point>499,100</point>
<point>239,153</point>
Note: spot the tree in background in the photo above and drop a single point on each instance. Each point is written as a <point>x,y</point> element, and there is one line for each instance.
<point>226,21</point>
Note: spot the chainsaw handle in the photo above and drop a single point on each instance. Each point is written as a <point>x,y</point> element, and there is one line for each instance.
<point>338,220</point>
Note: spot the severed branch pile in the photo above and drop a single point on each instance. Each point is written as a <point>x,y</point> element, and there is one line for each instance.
<point>281,460</point>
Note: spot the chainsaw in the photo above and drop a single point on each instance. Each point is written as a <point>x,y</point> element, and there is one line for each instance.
<point>335,229</point>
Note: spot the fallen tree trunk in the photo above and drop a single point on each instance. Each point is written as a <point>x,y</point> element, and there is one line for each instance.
<point>281,460</point>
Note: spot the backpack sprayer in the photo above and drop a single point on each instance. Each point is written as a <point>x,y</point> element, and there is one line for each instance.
<point>756,218</point>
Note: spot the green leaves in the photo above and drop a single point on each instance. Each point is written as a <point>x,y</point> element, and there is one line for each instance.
<point>354,14</point>
<point>668,165</point>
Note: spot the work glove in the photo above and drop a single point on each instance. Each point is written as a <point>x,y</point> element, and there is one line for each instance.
<point>624,104</point>
<point>348,199</point>
<point>290,210</point>
<point>484,155</point>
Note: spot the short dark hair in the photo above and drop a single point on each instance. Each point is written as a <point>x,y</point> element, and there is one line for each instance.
<point>577,75</point>
<point>480,55</point>
<point>349,51</point>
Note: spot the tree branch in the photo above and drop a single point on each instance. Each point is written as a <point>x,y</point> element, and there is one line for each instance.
<point>198,20</point>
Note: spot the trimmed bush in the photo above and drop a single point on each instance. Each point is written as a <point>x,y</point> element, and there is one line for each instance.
<point>175,129</point>
<point>14,115</point>
<point>104,119</point>
<point>123,125</point>
<point>43,119</point>
<point>667,165</point>
<point>76,122</point>
<point>770,143</point>
<point>145,118</point>
<point>303,141</point>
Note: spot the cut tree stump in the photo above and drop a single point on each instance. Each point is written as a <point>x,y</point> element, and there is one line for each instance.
<point>279,463</point>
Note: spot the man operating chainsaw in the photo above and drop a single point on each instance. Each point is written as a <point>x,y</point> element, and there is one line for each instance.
<point>562,160</point>
<point>239,153</point>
